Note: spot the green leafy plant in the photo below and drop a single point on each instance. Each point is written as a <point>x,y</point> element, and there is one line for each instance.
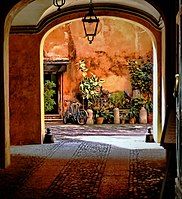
<point>132,113</point>
<point>135,106</point>
<point>149,106</point>
<point>90,86</point>
<point>48,95</point>
<point>141,74</point>
<point>100,113</point>
<point>109,117</point>
<point>119,99</point>
<point>99,109</point>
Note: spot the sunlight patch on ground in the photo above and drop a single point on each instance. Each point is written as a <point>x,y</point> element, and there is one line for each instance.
<point>128,142</point>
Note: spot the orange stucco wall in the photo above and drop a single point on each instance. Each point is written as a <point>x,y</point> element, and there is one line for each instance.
<point>116,41</point>
<point>24,89</point>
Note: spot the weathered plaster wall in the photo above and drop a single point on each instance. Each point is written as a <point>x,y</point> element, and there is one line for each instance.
<point>116,41</point>
<point>24,76</point>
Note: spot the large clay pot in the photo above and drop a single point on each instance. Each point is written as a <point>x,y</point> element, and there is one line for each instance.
<point>90,117</point>
<point>116,116</point>
<point>100,120</point>
<point>143,116</point>
<point>150,118</point>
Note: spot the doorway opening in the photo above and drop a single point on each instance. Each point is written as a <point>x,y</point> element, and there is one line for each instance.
<point>53,78</point>
<point>106,58</point>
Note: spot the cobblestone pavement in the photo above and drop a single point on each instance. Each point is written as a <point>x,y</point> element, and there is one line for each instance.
<point>74,168</point>
<point>104,129</point>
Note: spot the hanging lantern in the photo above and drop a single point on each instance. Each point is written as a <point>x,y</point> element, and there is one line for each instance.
<point>90,24</point>
<point>58,3</point>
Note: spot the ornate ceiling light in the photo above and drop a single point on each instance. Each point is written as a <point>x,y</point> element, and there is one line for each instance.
<point>90,23</point>
<point>58,3</point>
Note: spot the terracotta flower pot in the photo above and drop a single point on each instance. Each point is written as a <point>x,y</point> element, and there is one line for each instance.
<point>100,120</point>
<point>150,118</point>
<point>132,120</point>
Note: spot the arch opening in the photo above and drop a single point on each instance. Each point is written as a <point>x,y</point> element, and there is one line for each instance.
<point>157,125</point>
<point>8,23</point>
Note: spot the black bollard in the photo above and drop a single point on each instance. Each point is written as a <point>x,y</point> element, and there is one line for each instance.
<point>149,136</point>
<point>48,137</point>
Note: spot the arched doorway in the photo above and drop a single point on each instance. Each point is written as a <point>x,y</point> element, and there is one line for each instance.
<point>81,50</point>
<point>37,113</point>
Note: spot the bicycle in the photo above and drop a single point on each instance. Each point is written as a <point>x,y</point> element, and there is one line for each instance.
<point>75,114</point>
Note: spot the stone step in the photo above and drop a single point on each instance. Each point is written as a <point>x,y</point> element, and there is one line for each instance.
<point>52,116</point>
<point>54,120</point>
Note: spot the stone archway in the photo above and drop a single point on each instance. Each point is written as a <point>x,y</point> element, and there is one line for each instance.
<point>157,122</point>
<point>33,125</point>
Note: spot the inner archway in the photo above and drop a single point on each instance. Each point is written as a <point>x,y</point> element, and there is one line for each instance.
<point>56,47</point>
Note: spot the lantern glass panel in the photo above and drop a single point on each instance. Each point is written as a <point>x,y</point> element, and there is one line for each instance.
<point>90,28</point>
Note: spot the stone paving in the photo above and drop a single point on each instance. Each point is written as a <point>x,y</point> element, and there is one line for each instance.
<point>104,129</point>
<point>84,167</point>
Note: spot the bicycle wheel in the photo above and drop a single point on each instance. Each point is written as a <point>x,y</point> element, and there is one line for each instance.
<point>65,119</point>
<point>82,117</point>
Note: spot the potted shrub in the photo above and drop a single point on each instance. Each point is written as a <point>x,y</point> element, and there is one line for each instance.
<point>141,75</point>
<point>149,108</point>
<point>100,120</point>
<point>119,99</point>
<point>109,117</point>
<point>132,115</point>
<point>102,113</point>
<point>123,118</point>
<point>90,85</point>
<point>99,116</point>
<point>135,106</point>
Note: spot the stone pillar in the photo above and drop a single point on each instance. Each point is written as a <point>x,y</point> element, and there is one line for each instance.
<point>143,116</point>
<point>116,116</point>
<point>90,117</point>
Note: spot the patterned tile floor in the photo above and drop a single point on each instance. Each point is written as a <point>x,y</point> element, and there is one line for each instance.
<point>85,167</point>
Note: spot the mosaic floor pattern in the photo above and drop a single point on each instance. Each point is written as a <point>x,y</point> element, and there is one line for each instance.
<point>72,169</point>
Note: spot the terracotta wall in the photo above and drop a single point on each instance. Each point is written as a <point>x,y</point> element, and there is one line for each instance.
<point>24,82</point>
<point>116,41</point>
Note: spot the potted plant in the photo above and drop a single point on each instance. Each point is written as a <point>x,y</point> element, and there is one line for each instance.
<point>90,85</point>
<point>132,115</point>
<point>119,99</point>
<point>141,75</point>
<point>109,117</point>
<point>149,108</point>
<point>101,112</point>
<point>99,116</point>
<point>123,118</point>
<point>135,106</point>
